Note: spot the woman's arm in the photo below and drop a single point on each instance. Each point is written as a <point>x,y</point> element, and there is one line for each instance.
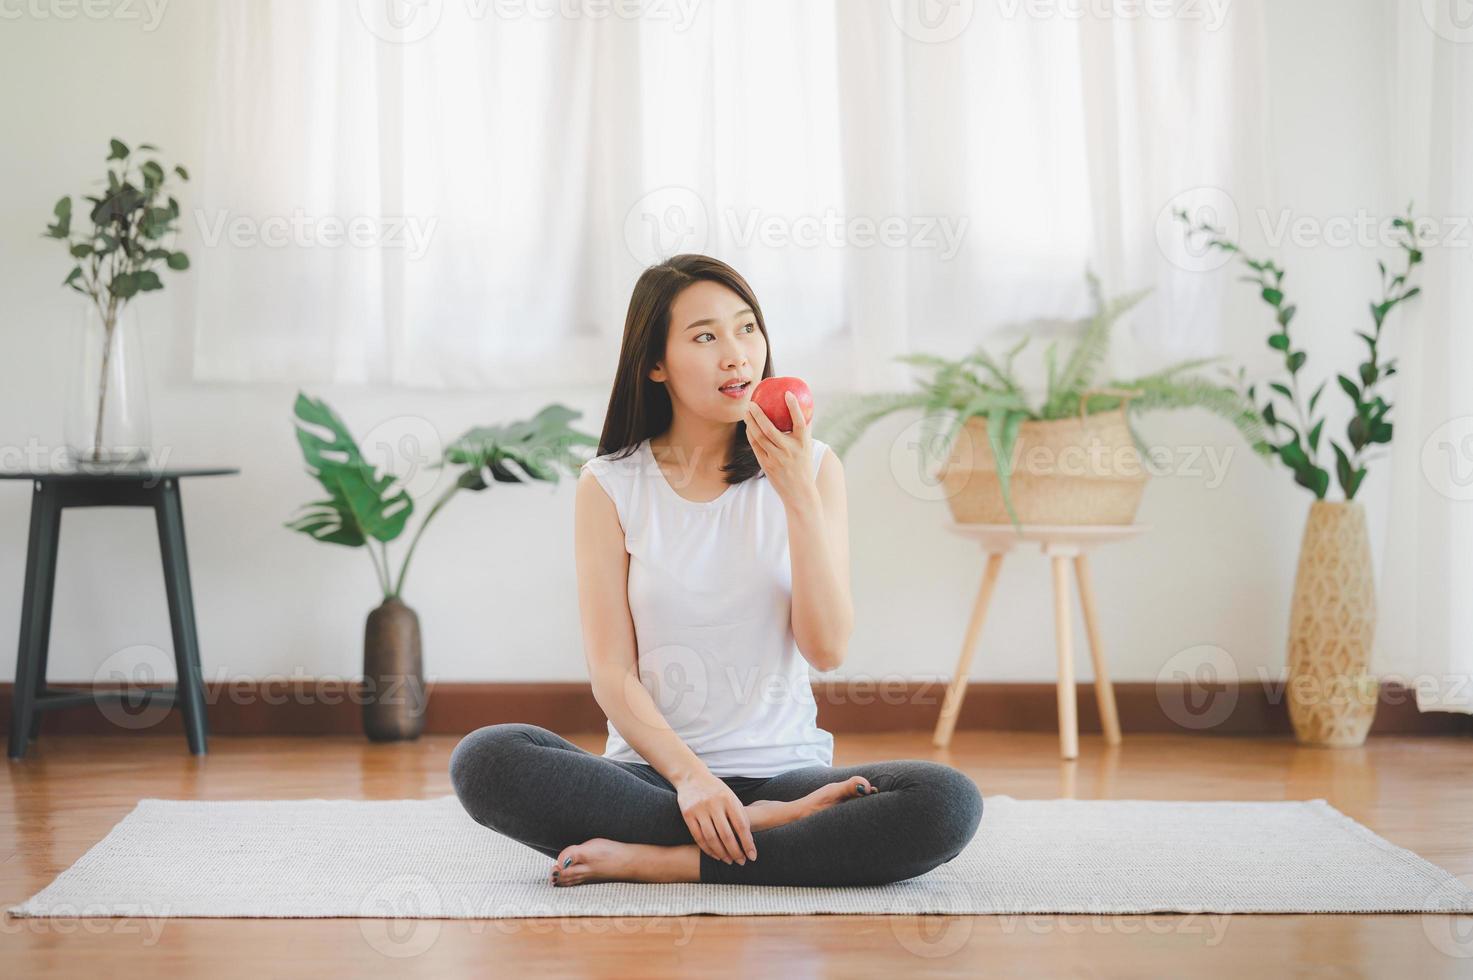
<point>818,548</point>
<point>608,636</point>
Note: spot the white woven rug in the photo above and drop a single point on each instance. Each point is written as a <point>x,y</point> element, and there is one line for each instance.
<point>428,859</point>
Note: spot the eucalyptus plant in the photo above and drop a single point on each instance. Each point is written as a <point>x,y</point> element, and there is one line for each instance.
<point>120,255</point>
<point>1294,428</point>
<point>365,508</point>
<point>981,384</point>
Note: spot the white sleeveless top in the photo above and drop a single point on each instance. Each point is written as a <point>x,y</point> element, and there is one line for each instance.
<point>710,593</point>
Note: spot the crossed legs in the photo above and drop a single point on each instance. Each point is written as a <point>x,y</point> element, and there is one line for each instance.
<point>601,819</point>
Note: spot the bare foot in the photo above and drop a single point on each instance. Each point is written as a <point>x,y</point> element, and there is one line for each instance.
<point>601,859</point>
<point>766,814</point>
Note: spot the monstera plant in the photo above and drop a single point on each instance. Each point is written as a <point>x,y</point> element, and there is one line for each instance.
<point>365,508</point>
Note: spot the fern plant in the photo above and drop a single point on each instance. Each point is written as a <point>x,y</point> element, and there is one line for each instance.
<point>981,384</point>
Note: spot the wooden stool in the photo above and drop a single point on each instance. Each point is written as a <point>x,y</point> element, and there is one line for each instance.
<point>104,486</point>
<point>1060,543</point>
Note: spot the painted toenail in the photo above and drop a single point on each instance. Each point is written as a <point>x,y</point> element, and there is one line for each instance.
<point>567,862</point>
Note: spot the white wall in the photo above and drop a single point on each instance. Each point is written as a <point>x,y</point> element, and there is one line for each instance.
<point>494,579</point>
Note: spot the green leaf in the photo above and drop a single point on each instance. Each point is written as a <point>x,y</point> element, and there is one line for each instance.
<point>1349,387</point>
<point>1314,436</point>
<point>1295,361</point>
<point>178,261</point>
<point>119,151</point>
<point>1344,472</point>
<point>540,447</point>
<point>1368,374</point>
<point>148,280</point>
<point>183,174</point>
<point>1285,315</point>
<point>1316,396</point>
<point>1272,295</point>
<point>360,504</point>
<point>124,285</point>
<point>153,174</point>
<point>1002,435</point>
<point>81,250</point>
<point>1279,341</point>
<point>1282,389</point>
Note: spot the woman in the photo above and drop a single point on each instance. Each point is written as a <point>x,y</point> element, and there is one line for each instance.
<point>712,558</point>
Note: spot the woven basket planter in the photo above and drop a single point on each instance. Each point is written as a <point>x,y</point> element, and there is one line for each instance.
<point>1065,471</point>
<point>1332,693</point>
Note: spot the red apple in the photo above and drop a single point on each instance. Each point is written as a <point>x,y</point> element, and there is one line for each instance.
<point>771,396</point>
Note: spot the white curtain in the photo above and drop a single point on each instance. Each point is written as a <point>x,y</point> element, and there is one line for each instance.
<point>460,193</point>
<point>1425,634</point>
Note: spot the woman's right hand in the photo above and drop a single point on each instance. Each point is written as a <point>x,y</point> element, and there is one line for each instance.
<point>716,818</point>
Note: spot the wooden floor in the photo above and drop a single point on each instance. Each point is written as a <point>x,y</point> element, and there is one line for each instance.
<point>1417,792</point>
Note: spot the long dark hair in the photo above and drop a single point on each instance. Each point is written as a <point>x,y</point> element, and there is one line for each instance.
<point>640,408</point>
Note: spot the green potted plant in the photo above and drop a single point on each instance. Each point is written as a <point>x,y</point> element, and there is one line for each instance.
<point>367,509</point>
<point>116,260</point>
<point>1014,458</point>
<point>1332,693</point>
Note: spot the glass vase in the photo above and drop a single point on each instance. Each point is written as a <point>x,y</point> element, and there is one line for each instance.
<point>107,418</point>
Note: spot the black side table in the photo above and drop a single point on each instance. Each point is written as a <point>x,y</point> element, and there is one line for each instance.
<point>104,486</point>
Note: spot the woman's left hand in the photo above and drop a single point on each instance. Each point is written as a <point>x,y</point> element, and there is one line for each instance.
<point>786,457</point>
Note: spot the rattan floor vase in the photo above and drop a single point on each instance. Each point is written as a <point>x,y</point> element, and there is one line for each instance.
<point>1331,691</point>
<point>1064,471</point>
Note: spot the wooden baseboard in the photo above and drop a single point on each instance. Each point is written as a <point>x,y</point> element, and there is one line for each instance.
<point>332,707</point>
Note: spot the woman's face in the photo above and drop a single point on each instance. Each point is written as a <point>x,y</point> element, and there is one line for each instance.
<point>714,337</point>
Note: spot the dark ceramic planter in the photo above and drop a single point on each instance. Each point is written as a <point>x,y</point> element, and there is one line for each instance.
<point>393,674</point>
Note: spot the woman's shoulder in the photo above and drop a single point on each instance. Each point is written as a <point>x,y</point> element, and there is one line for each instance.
<point>614,468</point>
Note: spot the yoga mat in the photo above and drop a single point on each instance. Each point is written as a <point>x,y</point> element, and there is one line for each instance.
<point>429,859</point>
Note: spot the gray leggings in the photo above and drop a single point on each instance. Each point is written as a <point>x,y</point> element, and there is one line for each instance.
<point>538,788</point>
